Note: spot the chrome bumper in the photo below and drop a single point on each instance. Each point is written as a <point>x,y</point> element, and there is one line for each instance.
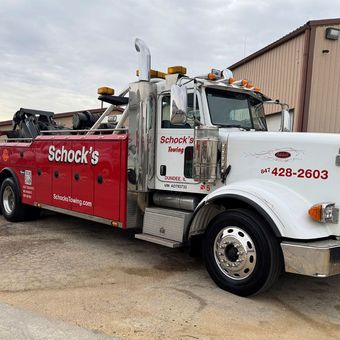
<point>317,258</point>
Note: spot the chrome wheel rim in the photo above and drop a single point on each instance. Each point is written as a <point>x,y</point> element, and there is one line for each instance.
<point>8,200</point>
<point>235,253</point>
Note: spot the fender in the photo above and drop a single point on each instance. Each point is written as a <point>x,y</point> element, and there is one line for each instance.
<point>8,172</point>
<point>285,210</point>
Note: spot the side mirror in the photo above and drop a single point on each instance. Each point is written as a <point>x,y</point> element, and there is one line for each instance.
<point>286,120</point>
<point>194,116</point>
<point>178,105</point>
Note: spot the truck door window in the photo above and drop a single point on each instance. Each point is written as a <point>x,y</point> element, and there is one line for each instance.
<point>165,109</point>
<point>190,121</point>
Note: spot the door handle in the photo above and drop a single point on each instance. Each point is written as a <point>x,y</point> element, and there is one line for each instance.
<point>162,170</point>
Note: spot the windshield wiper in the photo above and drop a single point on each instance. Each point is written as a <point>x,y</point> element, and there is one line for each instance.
<point>234,125</point>
<point>231,125</point>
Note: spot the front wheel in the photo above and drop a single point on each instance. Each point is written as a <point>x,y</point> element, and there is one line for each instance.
<point>241,254</point>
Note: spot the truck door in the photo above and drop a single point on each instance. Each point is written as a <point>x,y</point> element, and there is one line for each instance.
<point>175,148</point>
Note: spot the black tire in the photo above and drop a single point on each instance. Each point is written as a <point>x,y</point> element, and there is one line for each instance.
<point>10,204</point>
<point>33,213</point>
<point>249,258</point>
<point>196,246</point>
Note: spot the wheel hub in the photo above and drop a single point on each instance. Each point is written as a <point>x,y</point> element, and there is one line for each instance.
<point>8,200</point>
<point>235,253</point>
<point>231,253</point>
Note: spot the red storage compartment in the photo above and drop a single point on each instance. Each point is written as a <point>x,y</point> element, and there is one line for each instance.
<point>42,174</point>
<point>20,157</point>
<point>107,180</point>
<point>82,177</point>
<point>61,175</point>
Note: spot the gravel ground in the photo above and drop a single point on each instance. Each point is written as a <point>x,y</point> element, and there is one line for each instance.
<point>104,280</point>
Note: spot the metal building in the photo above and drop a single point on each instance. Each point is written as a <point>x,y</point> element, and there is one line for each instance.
<point>303,70</point>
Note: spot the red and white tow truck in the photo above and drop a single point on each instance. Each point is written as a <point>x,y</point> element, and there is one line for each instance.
<point>190,162</point>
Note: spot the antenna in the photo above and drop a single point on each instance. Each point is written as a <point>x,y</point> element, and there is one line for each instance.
<point>245,47</point>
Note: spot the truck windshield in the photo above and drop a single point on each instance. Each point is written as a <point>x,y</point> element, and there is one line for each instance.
<point>234,109</point>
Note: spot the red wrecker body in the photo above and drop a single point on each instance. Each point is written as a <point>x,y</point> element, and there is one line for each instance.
<point>79,174</point>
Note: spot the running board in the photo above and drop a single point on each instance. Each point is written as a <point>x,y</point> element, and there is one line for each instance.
<point>159,240</point>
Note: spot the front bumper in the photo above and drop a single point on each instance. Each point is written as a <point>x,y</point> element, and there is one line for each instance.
<point>317,258</point>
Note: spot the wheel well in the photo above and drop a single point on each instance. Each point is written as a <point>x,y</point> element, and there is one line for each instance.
<point>6,173</point>
<point>215,206</point>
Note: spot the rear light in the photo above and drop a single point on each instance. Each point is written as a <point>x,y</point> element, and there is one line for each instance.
<point>324,213</point>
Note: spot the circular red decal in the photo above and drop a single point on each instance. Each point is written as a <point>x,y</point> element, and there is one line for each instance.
<point>282,154</point>
<point>5,155</point>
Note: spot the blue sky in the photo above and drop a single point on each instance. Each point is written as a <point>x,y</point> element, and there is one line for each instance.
<point>55,54</point>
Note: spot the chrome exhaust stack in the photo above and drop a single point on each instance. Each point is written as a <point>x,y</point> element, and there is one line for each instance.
<point>144,59</point>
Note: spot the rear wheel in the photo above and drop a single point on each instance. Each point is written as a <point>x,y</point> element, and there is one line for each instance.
<point>8,200</point>
<point>10,204</point>
<point>241,254</point>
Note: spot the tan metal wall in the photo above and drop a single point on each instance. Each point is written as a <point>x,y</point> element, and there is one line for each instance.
<point>67,121</point>
<point>324,104</point>
<point>278,73</point>
<point>6,127</point>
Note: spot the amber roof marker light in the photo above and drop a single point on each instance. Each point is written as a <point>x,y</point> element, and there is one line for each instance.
<point>106,90</point>
<point>177,69</point>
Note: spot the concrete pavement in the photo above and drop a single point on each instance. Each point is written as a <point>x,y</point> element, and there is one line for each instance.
<point>17,324</point>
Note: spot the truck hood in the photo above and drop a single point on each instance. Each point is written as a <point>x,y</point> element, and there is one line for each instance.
<point>303,163</point>
<point>262,154</point>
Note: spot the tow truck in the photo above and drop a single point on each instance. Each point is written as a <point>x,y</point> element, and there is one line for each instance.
<point>189,163</point>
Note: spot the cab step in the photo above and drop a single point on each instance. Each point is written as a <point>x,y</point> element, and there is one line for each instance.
<point>159,240</point>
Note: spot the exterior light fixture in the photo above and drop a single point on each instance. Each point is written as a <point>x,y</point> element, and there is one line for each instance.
<point>332,33</point>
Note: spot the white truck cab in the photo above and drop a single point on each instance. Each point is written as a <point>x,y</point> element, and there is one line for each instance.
<point>260,202</point>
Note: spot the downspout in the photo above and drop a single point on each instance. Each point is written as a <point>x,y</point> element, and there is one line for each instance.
<point>306,81</point>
